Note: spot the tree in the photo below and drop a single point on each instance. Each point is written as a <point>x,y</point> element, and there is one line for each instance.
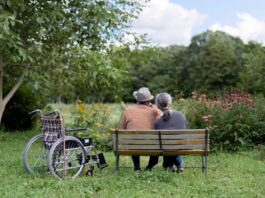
<point>105,79</point>
<point>153,67</point>
<point>253,76</point>
<point>211,63</point>
<point>39,36</point>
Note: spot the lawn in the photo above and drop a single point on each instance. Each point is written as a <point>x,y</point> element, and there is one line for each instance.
<point>230,175</point>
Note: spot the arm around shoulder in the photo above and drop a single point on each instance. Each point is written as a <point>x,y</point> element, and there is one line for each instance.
<point>123,121</point>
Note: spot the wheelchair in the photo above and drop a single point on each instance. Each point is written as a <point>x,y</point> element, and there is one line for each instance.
<point>64,155</point>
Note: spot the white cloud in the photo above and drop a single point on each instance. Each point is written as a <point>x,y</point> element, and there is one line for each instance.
<point>247,28</point>
<point>167,23</point>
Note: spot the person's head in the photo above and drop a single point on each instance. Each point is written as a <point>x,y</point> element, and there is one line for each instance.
<point>143,96</point>
<point>164,102</point>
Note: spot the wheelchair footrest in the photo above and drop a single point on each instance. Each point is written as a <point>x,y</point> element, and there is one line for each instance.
<point>101,161</point>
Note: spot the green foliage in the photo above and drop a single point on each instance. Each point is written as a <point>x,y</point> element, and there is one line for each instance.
<point>40,39</point>
<point>153,67</point>
<point>236,120</point>
<point>91,76</point>
<point>95,117</point>
<point>253,76</point>
<point>211,63</point>
<point>16,116</point>
<point>29,27</point>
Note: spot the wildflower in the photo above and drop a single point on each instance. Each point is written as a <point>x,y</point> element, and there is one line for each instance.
<point>194,94</point>
<point>203,98</point>
<point>216,101</point>
<point>207,118</point>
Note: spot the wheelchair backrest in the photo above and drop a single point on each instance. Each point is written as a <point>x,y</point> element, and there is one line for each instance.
<point>52,128</point>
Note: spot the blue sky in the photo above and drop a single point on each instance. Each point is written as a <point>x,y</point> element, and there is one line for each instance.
<point>176,21</point>
<point>224,10</point>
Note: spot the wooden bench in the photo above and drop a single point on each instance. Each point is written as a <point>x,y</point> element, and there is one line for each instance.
<point>162,142</point>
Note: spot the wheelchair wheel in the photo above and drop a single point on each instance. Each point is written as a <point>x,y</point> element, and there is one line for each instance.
<point>68,164</point>
<point>35,155</point>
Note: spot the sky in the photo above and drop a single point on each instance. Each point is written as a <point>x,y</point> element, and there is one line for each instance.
<point>168,22</point>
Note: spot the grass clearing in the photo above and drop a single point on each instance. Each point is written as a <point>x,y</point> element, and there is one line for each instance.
<point>230,175</point>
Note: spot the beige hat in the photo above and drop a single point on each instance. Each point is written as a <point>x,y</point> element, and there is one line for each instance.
<point>143,95</point>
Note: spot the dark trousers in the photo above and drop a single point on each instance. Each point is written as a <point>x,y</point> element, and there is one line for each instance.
<point>153,160</point>
<point>136,162</point>
<point>168,161</point>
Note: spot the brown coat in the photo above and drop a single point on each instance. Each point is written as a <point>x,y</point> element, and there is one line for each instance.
<point>139,117</point>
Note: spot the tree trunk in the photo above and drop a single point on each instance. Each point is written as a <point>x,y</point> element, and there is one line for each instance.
<point>6,99</point>
<point>2,107</point>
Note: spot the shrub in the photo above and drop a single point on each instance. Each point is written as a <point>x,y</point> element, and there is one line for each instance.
<point>236,120</point>
<point>16,116</point>
<point>96,117</point>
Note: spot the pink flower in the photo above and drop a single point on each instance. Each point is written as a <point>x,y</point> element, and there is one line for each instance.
<point>205,118</point>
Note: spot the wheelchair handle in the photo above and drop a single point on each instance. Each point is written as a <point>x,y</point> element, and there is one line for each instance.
<point>35,111</point>
<point>56,112</point>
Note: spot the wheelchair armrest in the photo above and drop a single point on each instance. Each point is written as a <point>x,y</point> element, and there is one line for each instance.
<point>70,130</point>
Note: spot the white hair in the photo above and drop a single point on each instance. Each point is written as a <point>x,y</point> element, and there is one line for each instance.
<point>163,100</point>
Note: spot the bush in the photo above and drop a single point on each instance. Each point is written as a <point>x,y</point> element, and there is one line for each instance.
<point>96,117</point>
<point>236,120</point>
<point>16,116</point>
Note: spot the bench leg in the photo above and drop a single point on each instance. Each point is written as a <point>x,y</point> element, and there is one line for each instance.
<point>117,163</point>
<point>206,164</point>
<point>203,165</point>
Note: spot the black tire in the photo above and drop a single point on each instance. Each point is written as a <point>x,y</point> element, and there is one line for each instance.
<point>73,164</point>
<point>35,155</point>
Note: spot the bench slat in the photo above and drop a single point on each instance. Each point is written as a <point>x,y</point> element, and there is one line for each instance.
<point>157,147</point>
<point>160,152</point>
<point>179,131</point>
<point>164,142</point>
<point>183,131</point>
<point>141,147</point>
<point>185,141</point>
<point>185,152</point>
<point>184,136</point>
<point>137,142</point>
<point>140,152</point>
<point>155,136</point>
<point>138,136</point>
<point>185,146</point>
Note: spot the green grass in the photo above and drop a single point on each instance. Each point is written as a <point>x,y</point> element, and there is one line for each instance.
<point>230,175</point>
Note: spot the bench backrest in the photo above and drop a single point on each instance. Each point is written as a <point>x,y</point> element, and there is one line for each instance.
<point>161,142</point>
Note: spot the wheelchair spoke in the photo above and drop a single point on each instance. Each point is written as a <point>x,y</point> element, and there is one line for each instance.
<point>72,160</point>
<point>35,156</point>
